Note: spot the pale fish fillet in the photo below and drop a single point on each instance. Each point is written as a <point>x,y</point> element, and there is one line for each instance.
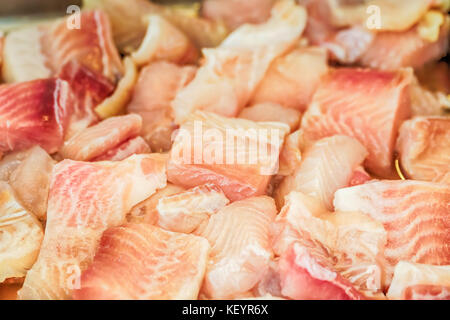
<point>31,181</point>
<point>86,199</point>
<point>235,13</point>
<point>307,273</point>
<point>241,252</point>
<point>354,241</point>
<point>144,262</point>
<point>269,111</point>
<point>415,215</point>
<point>237,155</point>
<point>366,104</point>
<point>145,211</point>
<point>326,167</point>
<point>291,154</point>
<point>20,236</point>
<point>230,74</point>
<point>34,113</point>
<point>292,79</point>
<point>128,148</point>
<point>156,87</point>
<point>413,281</point>
<point>100,138</point>
<point>42,51</point>
<point>163,41</point>
<point>185,211</point>
<point>424,148</point>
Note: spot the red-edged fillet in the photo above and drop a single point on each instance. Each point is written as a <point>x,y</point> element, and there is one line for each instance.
<point>34,113</point>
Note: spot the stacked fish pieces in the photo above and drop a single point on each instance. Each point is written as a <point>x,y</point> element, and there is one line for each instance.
<point>290,149</point>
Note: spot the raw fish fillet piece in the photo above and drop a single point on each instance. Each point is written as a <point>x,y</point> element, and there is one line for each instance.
<point>307,273</point>
<point>163,41</point>
<point>42,51</point>
<point>415,215</point>
<point>368,105</point>
<point>102,137</point>
<point>86,199</point>
<point>326,166</point>
<point>141,261</point>
<point>393,50</point>
<point>145,212</point>
<point>272,112</point>
<point>30,181</point>
<point>34,113</point>
<point>359,176</point>
<point>21,236</point>
<point>292,79</point>
<point>186,211</point>
<point>291,154</point>
<point>424,148</point>
<point>231,72</point>
<point>239,156</point>
<point>413,281</point>
<point>157,86</point>
<point>240,246</point>
<point>354,242</point>
<point>128,148</point>
<point>235,13</point>
<point>90,89</point>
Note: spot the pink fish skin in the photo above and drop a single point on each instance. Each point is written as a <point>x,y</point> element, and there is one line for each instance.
<point>240,247</point>
<point>140,261</point>
<point>34,113</point>
<point>365,104</point>
<point>86,199</point>
<point>91,45</point>
<point>307,273</point>
<point>235,13</point>
<point>102,137</point>
<point>424,148</point>
<point>90,88</point>
<point>156,87</point>
<point>415,215</point>
<point>124,150</point>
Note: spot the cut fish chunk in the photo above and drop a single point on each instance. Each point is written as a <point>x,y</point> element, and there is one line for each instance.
<point>415,215</point>
<point>413,281</point>
<point>240,254</point>
<point>307,273</point>
<point>272,112</point>
<point>90,88</point>
<point>393,50</point>
<point>157,86</point>
<point>292,79</point>
<point>140,261</point>
<point>359,176</point>
<point>86,199</point>
<point>354,242</point>
<point>368,105</point>
<point>54,45</point>
<point>230,74</point>
<point>163,41</point>
<point>31,181</point>
<point>235,13</point>
<point>291,154</point>
<point>424,148</point>
<point>145,212</point>
<point>237,155</point>
<point>34,113</point>
<point>128,148</point>
<point>326,166</point>
<point>100,138</point>
<point>185,211</point>
<point>20,234</point>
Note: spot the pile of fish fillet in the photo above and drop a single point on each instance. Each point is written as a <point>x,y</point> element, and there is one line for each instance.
<point>102,196</point>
